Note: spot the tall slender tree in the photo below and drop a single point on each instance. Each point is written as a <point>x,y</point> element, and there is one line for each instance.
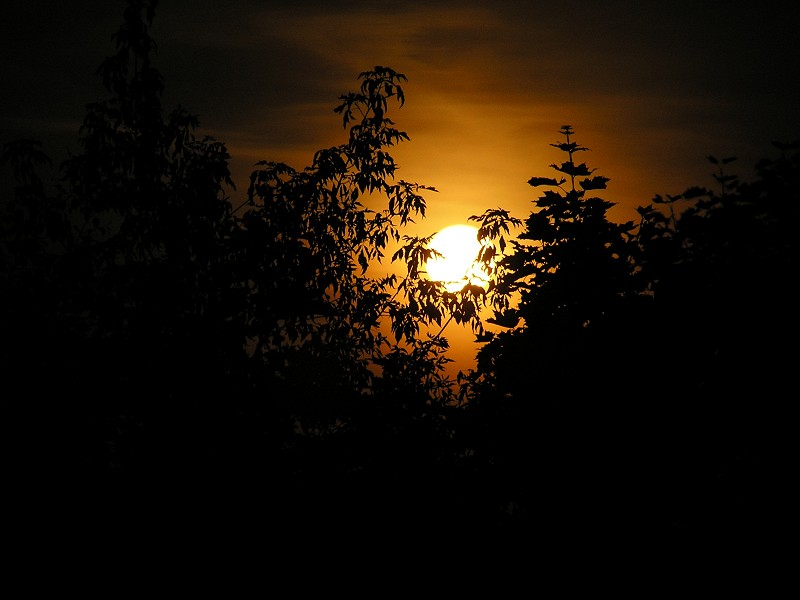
<point>122,305</point>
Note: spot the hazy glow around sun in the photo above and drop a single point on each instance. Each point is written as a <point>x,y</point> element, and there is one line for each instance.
<point>459,247</point>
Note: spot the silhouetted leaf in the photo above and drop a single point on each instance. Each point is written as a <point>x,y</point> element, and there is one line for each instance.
<point>537,181</point>
<point>572,169</point>
<point>694,192</point>
<point>784,146</point>
<point>595,183</point>
<point>508,319</point>
<point>569,147</point>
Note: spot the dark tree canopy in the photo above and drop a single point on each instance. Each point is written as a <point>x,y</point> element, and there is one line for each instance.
<point>641,380</point>
<point>185,342</point>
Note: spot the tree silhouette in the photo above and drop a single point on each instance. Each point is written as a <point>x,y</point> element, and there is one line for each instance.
<point>637,386</point>
<point>547,385</point>
<point>716,265</point>
<point>206,350</point>
<point>568,271</point>
<point>340,350</point>
<point>122,304</point>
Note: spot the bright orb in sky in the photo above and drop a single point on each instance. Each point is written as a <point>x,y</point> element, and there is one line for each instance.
<point>459,247</point>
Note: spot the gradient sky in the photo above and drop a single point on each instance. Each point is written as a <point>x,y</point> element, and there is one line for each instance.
<point>651,88</point>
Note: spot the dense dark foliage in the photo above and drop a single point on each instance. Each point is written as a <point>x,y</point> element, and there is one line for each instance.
<point>643,382</point>
<point>158,340</point>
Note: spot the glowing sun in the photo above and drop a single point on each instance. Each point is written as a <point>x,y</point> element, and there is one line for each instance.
<point>457,266</point>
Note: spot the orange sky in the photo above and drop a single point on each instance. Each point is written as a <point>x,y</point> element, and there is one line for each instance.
<point>651,87</point>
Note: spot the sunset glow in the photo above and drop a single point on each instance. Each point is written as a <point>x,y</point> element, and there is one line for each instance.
<point>457,266</point>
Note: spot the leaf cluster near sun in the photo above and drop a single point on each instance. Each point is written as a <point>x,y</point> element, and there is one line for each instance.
<point>456,263</point>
